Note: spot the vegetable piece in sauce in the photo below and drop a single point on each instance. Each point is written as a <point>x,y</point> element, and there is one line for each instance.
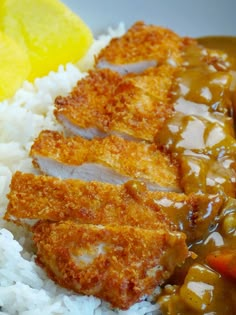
<point>203,289</point>
<point>223,261</point>
<point>204,292</point>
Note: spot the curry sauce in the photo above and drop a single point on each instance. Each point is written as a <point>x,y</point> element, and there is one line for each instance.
<point>200,136</point>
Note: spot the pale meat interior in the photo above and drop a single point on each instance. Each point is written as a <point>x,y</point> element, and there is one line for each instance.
<point>108,261</point>
<point>48,198</point>
<point>111,159</point>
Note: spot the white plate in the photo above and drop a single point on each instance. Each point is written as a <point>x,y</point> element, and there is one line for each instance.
<point>186,17</point>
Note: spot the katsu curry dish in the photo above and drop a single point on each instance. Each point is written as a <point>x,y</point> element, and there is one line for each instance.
<point>132,193</point>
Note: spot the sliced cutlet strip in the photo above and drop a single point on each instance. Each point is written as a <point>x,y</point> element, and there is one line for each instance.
<point>143,103</point>
<point>141,47</point>
<point>47,198</point>
<point>119,264</point>
<point>134,106</point>
<point>39,197</point>
<point>83,112</point>
<point>111,159</point>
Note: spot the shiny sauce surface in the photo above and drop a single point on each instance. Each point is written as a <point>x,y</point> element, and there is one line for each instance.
<point>200,136</point>
<point>226,44</point>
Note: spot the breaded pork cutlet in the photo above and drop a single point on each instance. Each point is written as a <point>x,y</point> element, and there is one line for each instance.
<point>83,112</point>
<point>141,47</point>
<point>104,102</point>
<point>48,198</point>
<point>119,264</point>
<point>111,159</point>
<point>42,197</point>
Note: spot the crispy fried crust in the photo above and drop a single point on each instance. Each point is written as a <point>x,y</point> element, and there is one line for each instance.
<point>142,103</point>
<point>86,104</point>
<point>48,198</point>
<point>135,160</point>
<point>133,105</point>
<point>143,42</point>
<point>109,262</point>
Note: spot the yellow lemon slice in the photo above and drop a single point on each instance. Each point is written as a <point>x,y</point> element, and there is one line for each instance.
<point>50,32</point>
<point>14,66</point>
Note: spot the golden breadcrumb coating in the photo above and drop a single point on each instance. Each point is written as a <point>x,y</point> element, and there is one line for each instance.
<point>135,160</point>
<point>143,42</point>
<point>47,198</point>
<point>142,103</point>
<point>133,105</point>
<point>86,104</point>
<point>109,262</point>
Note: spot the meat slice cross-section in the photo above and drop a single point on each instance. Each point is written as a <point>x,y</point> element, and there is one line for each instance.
<point>104,102</point>
<point>39,197</point>
<point>119,264</point>
<point>142,46</point>
<point>46,198</point>
<point>110,159</point>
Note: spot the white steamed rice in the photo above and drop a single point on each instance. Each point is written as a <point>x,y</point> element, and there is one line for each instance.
<point>24,287</point>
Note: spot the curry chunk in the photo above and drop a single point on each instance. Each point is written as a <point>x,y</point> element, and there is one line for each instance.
<point>204,292</point>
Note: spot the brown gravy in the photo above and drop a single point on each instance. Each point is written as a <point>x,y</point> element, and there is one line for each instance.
<point>224,43</point>
<point>200,136</point>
